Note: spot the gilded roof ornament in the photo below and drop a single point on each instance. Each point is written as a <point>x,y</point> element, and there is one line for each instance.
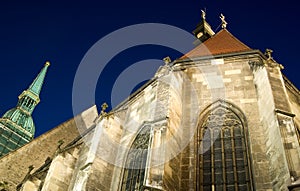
<point>203,14</point>
<point>224,23</point>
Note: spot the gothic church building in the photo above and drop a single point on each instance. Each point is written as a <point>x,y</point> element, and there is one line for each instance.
<point>221,117</point>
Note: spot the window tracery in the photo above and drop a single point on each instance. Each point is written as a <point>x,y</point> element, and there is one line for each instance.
<point>134,173</point>
<point>223,156</point>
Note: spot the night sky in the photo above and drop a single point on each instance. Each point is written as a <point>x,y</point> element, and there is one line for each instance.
<point>33,32</point>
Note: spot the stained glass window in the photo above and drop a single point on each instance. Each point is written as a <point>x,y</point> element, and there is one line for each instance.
<point>223,157</point>
<point>134,172</point>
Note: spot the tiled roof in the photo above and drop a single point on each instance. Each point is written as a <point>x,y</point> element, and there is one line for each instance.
<point>221,43</point>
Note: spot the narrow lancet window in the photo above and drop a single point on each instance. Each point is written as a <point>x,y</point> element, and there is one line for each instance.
<point>135,167</point>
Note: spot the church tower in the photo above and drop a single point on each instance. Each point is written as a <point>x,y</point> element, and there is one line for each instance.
<point>16,125</point>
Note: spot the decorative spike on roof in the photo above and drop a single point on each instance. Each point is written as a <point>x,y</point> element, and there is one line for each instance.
<point>224,23</point>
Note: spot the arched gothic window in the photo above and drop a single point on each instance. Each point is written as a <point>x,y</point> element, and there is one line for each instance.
<point>223,162</point>
<point>134,172</point>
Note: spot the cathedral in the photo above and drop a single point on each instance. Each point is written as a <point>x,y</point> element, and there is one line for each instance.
<point>221,117</point>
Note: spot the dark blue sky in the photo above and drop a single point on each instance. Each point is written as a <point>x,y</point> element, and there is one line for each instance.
<point>62,32</point>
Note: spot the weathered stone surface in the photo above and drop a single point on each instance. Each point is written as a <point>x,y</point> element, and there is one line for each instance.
<point>174,108</point>
<point>241,94</point>
<point>14,166</point>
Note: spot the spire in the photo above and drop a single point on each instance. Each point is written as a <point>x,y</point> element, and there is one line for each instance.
<point>35,88</point>
<point>203,30</point>
<point>18,119</point>
<point>37,84</point>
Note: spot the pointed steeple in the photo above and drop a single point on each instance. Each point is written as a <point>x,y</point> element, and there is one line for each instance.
<point>19,119</point>
<point>203,30</point>
<point>35,88</point>
<point>37,84</point>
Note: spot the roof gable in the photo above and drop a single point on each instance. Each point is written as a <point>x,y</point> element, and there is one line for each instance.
<point>221,43</point>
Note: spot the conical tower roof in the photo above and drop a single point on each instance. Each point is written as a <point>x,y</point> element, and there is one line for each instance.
<point>37,84</point>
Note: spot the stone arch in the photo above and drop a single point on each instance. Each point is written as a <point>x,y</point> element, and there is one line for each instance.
<point>223,155</point>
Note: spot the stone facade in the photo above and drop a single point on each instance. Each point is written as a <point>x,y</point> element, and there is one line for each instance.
<point>226,121</point>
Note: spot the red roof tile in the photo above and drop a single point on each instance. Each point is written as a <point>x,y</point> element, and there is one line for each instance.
<point>221,43</point>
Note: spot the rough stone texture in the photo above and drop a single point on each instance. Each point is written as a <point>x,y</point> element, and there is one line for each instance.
<point>290,142</point>
<point>271,171</point>
<point>251,90</point>
<point>173,105</point>
<point>278,89</point>
<point>14,166</point>
<point>105,153</point>
<point>294,99</point>
<point>61,171</point>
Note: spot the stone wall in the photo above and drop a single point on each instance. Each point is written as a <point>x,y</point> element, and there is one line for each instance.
<point>243,81</point>
<point>104,152</point>
<point>231,80</point>
<point>284,113</point>
<point>294,100</point>
<point>173,134</point>
<point>271,166</point>
<point>174,105</point>
<point>61,171</point>
<point>14,166</point>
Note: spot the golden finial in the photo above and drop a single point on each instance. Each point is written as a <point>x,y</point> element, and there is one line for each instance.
<point>47,63</point>
<point>224,23</point>
<point>203,14</point>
